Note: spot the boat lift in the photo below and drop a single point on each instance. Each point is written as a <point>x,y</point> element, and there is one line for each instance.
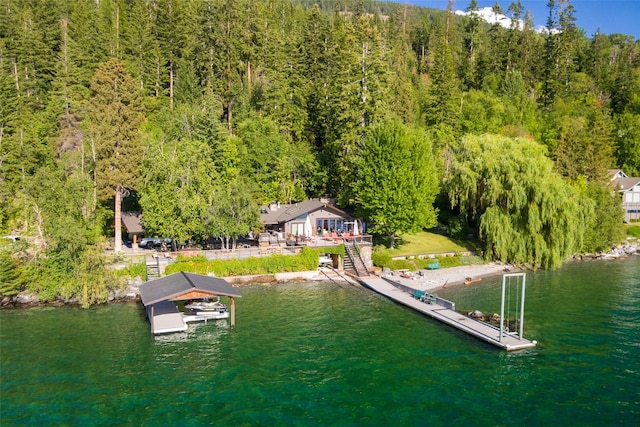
<point>506,291</point>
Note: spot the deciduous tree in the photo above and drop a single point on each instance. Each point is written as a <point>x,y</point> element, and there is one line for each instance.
<point>395,180</point>
<point>526,213</point>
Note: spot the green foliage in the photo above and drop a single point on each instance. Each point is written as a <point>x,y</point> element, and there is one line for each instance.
<point>10,283</point>
<point>606,227</point>
<point>134,270</point>
<point>88,281</point>
<point>526,212</point>
<point>634,231</point>
<point>233,213</point>
<point>385,260</point>
<point>274,162</point>
<point>445,262</point>
<point>306,260</point>
<point>284,96</point>
<point>585,143</point>
<point>628,142</point>
<point>180,181</point>
<point>414,264</point>
<point>115,113</point>
<point>395,180</point>
<point>337,250</point>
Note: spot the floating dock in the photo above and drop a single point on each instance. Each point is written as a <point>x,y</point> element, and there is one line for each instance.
<point>444,311</point>
<point>165,318</point>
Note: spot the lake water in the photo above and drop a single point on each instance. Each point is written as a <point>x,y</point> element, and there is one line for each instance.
<point>323,354</point>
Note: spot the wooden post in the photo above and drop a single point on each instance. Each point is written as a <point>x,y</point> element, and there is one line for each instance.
<point>233,312</point>
<point>151,320</point>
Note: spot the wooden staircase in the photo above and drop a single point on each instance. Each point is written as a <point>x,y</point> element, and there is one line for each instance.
<point>353,262</point>
<point>153,270</point>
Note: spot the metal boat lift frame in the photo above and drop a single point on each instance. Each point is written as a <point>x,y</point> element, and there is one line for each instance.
<point>504,283</point>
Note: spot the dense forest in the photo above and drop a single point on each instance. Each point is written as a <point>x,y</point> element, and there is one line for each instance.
<point>198,111</point>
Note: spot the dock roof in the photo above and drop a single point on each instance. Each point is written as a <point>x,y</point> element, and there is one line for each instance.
<point>184,285</point>
<point>133,222</point>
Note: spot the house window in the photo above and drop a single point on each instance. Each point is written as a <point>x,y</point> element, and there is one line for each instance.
<point>330,225</point>
<point>297,229</point>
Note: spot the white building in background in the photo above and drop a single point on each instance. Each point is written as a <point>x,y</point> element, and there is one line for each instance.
<point>629,188</point>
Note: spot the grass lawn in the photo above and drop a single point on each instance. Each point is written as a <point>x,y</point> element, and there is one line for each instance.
<point>633,229</point>
<point>425,243</point>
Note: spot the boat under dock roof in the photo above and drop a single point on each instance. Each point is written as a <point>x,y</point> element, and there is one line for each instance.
<point>157,296</point>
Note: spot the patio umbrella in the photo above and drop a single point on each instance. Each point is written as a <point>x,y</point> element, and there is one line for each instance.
<point>355,228</point>
<point>307,227</point>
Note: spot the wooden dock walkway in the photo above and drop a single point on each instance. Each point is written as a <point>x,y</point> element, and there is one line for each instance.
<point>448,315</point>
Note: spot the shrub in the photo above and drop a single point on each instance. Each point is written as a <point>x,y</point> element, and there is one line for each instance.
<point>306,260</point>
<point>385,260</point>
<point>134,270</point>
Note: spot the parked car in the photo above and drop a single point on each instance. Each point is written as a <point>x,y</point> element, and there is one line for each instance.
<point>150,242</point>
<point>154,242</point>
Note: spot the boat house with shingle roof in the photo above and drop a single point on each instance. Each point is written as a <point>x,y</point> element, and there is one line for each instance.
<point>158,297</point>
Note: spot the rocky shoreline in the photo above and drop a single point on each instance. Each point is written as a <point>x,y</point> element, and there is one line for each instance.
<point>621,251</point>
<point>427,280</point>
<point>131,293</point>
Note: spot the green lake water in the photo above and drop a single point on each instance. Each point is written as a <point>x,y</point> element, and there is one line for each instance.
<point>321,354</point>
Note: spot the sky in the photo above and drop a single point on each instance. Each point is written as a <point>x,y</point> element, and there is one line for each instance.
<point>611,16</point>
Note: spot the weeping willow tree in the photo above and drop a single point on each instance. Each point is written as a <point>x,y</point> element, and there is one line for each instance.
<point>526,212</point>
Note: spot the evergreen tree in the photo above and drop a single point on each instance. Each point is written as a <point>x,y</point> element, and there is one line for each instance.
<point>586,145</point>
<point>140,46</point>
<point>551,53</point>
<point>270,162</point>
<point>472,37</point>
<point>115,114</point>
<point>627,135</point>
<point>567,43</point>
<point>10,283</point>
<point>606,227</point>
<point>495,60</point>
<point>281,93</point>
<point>444,103</point>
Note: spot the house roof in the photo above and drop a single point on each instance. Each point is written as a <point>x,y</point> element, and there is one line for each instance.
<point>627,183</point>
<point>179,284</point>
<point>132,222</point>
<point>617,174</point>
<point>284,213</point>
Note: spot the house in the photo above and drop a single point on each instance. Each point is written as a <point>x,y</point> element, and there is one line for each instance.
<point>315,217</point>
<point>629,188</point>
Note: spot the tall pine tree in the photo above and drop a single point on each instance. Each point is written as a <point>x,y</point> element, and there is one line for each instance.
<point>115,114</point>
